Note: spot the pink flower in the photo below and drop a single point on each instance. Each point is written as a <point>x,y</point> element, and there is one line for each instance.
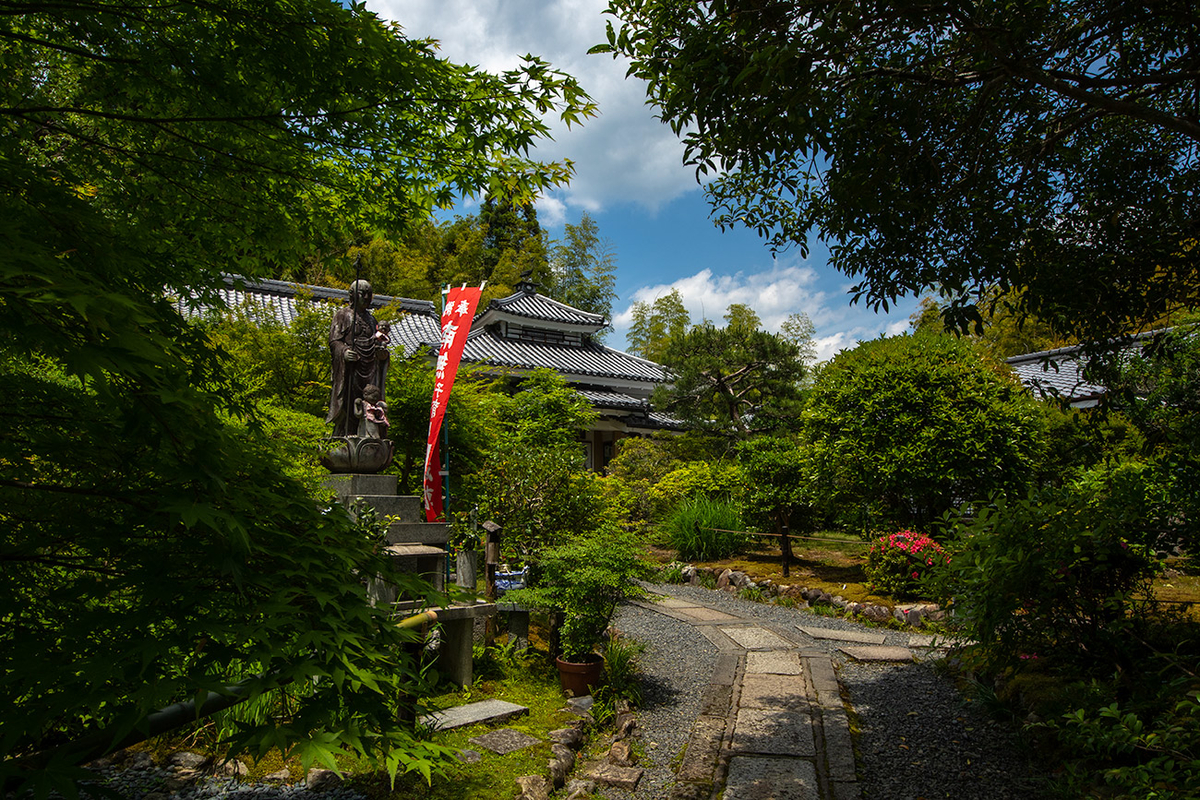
<point>915,575</point>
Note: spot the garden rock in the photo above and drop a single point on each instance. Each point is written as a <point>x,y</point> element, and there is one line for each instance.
<point>625,725</point>
<point>186,760</point>
<point>579,789</point>
<point>558,772</point>
<point>616,776</point>
<point>568,737</point>
<point>723,580</point>
<point>877,613</point>
<point>581,704</point>
<point>232,769</point>
<point>279,775</point>
<point>564,754</point>
<point>621,754</point>
<point>139,760</point>
<point>322,780</point>
<point>469,756</point>
<point>533,787</point>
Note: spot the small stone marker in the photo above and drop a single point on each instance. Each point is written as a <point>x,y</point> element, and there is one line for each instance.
<point>469,756</point>
<point>866,637</point>
<point>503,741</point>
<point>754,638</point>
<point>878,653</point>
<point>615,776</point>
<point>472,714</point>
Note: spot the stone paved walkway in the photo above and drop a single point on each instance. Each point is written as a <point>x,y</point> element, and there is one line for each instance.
<point>772,724</point>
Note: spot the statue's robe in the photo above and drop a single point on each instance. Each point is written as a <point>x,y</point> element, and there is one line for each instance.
<point>354,329</point>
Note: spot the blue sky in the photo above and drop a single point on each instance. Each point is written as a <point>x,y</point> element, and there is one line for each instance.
<point>631,179</point>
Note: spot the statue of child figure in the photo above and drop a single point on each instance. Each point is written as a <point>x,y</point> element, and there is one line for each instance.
<point>371,413</point>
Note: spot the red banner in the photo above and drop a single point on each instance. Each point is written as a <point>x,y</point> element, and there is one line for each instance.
<point>456,324</point>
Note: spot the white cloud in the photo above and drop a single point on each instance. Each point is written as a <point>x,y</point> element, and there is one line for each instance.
<point>624,154</point>
<point>775,293</point>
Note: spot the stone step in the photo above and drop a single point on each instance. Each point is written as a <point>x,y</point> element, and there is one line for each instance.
<point>473,714</point>
<point>418,533</point>
<point>355,484</point>
<point>406,508</point>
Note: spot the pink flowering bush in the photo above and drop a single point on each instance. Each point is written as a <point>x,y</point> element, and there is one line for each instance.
<point>897,563</point>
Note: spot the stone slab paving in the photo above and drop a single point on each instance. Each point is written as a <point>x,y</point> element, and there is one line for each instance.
<point>755,778</point>
<point>503,741</point>
<point>673,602</point>
<point>773,662</point>
<point>755,638</point>
<point>773,691</point>
<point>772,722</point>
<point>473,714</point>
<point>705,615</point>
<point>878,653</point>
<point>774,731</point>
<point>864,637</point>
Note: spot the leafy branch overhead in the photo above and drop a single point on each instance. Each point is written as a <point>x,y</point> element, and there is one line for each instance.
<point>154,546</point>
<point>1047,148</point>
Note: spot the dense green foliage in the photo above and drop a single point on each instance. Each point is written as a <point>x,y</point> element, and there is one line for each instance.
<point>153,547</point>
<point>905,428</point>
<point>781,484</point>
<point>1046,147</point>
<point>584,579</point>
<point>655,324</point>
<point>735,381</point>
<point>533,481</point>
<point>704,529</point>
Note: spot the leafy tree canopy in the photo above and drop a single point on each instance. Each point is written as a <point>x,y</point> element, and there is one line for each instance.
<point>907,427</point>
<point>153,546</point>
<point>736,381</point>
<point>655,324</point>
<point>1051,148</point>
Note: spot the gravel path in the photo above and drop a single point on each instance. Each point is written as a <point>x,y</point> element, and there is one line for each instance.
<point>917,737</point>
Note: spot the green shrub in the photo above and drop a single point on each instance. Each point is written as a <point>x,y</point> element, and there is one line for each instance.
<point>1132,755</point>
<point>899,563</point>
<point>695,479</point>
<point>671,573</point>
<point>1056,575</point>
<point>699,529</point>
<point>621,679</point>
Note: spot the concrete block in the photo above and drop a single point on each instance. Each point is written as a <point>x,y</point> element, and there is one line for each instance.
<point>725,669</point>
<point>878,653</point>
<point>357,484</point>
<point>773,691</point>
<point>703,749</point>
<point>418,532</point>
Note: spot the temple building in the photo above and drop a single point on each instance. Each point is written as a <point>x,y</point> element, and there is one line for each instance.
<point>509,337</point>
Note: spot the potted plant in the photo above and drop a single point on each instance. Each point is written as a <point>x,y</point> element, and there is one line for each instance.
<point>582,581</point>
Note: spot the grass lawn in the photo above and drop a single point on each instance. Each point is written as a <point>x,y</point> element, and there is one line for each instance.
<point>823,561</point>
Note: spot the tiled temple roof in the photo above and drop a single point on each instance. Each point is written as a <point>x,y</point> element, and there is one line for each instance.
<point>1059,372</point>
<point>527,304</point>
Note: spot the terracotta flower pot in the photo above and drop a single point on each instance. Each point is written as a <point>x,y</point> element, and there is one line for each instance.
<point>578,678</point>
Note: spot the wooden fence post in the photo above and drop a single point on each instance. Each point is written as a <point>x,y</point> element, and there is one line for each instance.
<point>785,545</point>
